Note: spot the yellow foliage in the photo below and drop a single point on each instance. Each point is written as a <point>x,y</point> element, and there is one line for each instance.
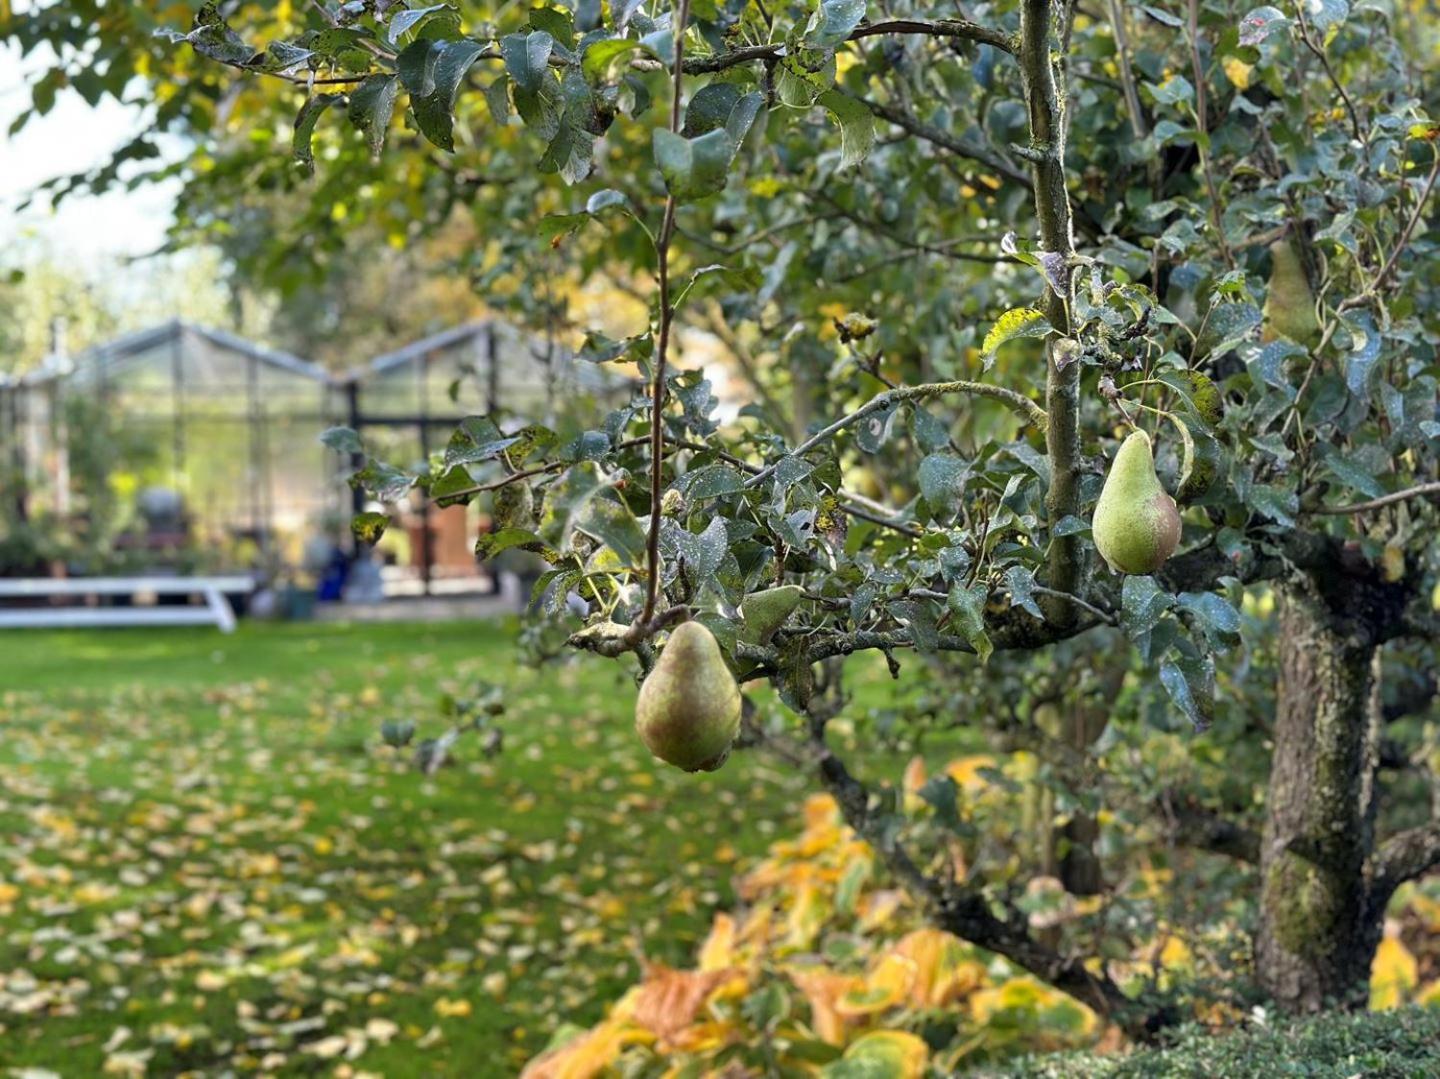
<point>942,971</point>
<point>1393,974</point>
<point>669,1000</point>
<point>885,1054</point>
<point>823,989</point>
<point>586,1056</point>
<point>718,951</point>
<point>965,771</point>
<point>887,986</point>
<point>1238,72</point>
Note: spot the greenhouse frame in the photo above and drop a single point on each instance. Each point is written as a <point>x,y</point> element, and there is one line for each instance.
<point>183,448</point>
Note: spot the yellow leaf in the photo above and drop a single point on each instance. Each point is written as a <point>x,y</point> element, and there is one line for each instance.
<point>586,1056</point>
<point>942,972</point>
<point>1238,72</point>
<point>807,916</point>
<point>965,771</point>
<point>883,1054</point>
<point>718,951</point>
<point>887,986</point>
<point>669,1000</point>
<point>823,990</point>
<point>1393,974</point>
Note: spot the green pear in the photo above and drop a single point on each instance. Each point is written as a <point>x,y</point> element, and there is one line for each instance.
<point>688,712</point>
<point>1289,303</point>
<point>766,611</point>
<point>1136,525</point>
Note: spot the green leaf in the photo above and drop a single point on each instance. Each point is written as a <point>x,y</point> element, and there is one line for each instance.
<point>386,482</point>
<point>369,527</point>
<point>1199,457</point>
<point>1277,503</point>
<point>560,25</point>
<point>211,37</point>
<point>1021,583</point>
<point>942,480</point>
<point>372,104</point>
<point>1142,603</point>
<point>1016,323</point>
<point>710,481</point>
<point>693,168</point>
<point>305,123</point>
<point>610,522</point>
<point>342,440</point>
<point>476,439</point>
<point>857,126</point>
<point>492,543</point>
<point>1190,682</point>
<point>942,793</point>
<point>967,616</point>
<point>416,18</point>
<point>710,108</point>
<point>527,58</point>
<point>1260,24</point>
<point>600,56</point>
<point>1198,392</point>
<point>446,488</point>
<point>708,280</point>
<point>431,72</point>
<point>1175,90</point>
<point>1215,616</point>
<point>833,21</point>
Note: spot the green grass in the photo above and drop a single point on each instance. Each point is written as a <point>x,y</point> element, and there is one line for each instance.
<point>208,856</point>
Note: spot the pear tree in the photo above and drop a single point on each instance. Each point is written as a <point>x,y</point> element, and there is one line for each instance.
<point>966,261</point>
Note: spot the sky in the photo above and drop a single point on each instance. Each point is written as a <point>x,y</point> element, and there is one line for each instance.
<point>72,137</point>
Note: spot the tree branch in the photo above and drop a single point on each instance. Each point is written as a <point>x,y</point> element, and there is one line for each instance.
<point>1199,826</point>
<point>1018,402</point>
<point>958,29</point>
<point>1405,856</point>
<point>966,911</point>
<point>946,141</point>
<point>667,317</point>
<point>1062,376</point>
<point>1383,500</point>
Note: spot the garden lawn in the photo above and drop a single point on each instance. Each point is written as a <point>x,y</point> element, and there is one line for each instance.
<point>209,859</point>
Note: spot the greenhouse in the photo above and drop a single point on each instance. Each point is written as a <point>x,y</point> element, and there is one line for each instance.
<point>183,448</point>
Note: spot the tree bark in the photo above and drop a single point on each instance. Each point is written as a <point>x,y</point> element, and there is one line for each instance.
<point>1319,925</point>
<point>1043,99</point>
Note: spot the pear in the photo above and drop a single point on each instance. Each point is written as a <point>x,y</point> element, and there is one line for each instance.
<point>1289,304</point>
<point>688,711</point>
<point>1136,525</point>
<point>766,611</point>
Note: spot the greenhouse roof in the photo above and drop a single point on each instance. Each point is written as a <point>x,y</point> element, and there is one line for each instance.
<point>142,340</point>
<point>417,349</point>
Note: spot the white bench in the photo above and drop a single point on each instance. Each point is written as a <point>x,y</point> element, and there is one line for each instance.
<point>216,611</point>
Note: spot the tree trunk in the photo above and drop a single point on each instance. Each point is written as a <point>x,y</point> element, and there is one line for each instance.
<point>1318,925</point>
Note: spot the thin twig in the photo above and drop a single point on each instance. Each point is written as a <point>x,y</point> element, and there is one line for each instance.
<point>1319,52</point>
<point>667,316</point>
<point>1384,500</point>
<point>1404,241</point>
<point>1202,127</point>
<point>1016,401</point>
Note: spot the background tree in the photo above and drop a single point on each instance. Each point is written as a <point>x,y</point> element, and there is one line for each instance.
<point>972,255</point>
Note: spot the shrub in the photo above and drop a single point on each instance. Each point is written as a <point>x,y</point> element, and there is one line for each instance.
<point>1405,1042</point>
